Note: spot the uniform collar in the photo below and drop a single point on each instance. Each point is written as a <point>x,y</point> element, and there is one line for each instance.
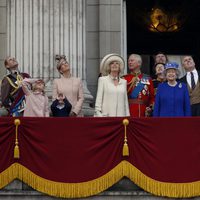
<point>136,73</point>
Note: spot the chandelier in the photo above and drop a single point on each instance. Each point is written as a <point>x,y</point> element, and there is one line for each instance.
<point>161,21</point>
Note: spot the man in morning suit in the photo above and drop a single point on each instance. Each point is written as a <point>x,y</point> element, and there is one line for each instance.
<point>192,80</point>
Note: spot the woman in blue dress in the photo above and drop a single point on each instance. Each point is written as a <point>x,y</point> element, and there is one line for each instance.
<point>172,98</point>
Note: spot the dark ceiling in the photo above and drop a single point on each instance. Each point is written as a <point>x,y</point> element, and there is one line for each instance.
<point>185,41</point>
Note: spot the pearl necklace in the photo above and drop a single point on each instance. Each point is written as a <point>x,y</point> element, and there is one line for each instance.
<point>114,78</point>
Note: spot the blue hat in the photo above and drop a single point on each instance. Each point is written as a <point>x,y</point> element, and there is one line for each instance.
<point>171,65</point>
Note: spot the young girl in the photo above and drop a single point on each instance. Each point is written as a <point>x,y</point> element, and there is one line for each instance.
<point>36,100</point>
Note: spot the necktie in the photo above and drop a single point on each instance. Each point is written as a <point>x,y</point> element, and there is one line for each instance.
<point>192,80</point>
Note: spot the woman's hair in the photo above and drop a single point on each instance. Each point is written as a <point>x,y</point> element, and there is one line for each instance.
<point>154,68</point>
<point>176,70</point>
<point>59,60</point>
<point>109,67</point>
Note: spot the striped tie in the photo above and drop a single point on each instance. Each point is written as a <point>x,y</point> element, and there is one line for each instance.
<point>192,80</point>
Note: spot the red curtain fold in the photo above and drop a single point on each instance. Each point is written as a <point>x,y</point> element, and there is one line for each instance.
<point>7,142</point>
<point>166,149</point>
<point>74,150</point>
<point>70,149</point>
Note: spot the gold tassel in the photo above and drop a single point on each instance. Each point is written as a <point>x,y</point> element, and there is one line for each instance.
<point>125,151</point>
<point>16,149</point>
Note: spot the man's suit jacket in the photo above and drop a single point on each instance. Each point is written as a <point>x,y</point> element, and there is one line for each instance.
<point>184,79</point>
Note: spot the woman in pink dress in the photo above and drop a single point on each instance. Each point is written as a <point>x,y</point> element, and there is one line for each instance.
<point>71,87</point>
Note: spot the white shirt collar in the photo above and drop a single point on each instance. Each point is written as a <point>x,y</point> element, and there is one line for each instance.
<point>194,71</point>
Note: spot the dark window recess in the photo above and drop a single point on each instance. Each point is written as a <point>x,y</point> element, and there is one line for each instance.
<point>180,36</point>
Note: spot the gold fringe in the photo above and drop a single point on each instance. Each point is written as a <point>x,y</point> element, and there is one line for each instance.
<point>93,187</point>
<point>125,151</point>
<point>8,175</point>
<point>16,149</point>
<point>59,189</point>
<point>173,190</point>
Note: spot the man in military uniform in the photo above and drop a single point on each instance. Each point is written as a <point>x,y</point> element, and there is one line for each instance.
<point>12,95</point>
<point>140,89</point>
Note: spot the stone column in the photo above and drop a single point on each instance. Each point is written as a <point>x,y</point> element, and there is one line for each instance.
<point>106,33</point>
<point>3,33</point>
<point>40,29</point>
<point>112,27</point>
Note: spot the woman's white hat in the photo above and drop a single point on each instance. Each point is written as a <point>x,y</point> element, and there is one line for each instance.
<point>104,66</point>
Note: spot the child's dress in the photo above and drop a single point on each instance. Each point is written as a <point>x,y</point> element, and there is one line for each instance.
<point>36,102</point>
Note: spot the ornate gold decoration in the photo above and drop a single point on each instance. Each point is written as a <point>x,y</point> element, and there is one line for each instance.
<point>100,184</point>
<point>16,149</point>
<point>17,85</point>
<point>125,151</point>
<point>163,22</point>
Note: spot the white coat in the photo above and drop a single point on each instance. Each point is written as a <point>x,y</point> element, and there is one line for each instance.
<point>111,100</point>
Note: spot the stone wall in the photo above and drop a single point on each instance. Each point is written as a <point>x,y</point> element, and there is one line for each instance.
<point>104,35</point>
<point>3,36</point>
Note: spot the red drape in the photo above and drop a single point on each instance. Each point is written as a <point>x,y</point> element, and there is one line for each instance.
<point>166,149</point>
<point>75,150</point>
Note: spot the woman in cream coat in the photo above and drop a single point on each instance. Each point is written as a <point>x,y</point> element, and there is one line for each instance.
<point>111,100</point>
<point>70,87</point>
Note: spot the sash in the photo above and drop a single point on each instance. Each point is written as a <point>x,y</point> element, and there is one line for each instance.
<point>135,92</point>
<point>18,104</point>
<point>18,107</point>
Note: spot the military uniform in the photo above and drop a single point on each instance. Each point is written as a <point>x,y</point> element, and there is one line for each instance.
<point>12,95</point>
<point>140,94</point>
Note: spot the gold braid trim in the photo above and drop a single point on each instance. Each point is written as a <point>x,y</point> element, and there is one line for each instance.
<point>132,83</point>
<point>93,187</point>
<point>15,86</point>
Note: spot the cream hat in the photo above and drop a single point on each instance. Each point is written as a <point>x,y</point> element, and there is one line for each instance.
<point>104,66</point>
